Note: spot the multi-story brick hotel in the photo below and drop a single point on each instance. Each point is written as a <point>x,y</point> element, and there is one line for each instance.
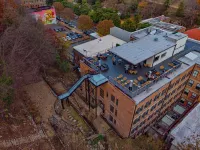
<point>142,76</point>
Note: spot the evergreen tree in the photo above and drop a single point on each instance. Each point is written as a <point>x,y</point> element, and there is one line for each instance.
<point>167,4</point>
<point>180,10</point>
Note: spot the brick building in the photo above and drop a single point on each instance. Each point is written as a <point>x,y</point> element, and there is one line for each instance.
<point>162,66</point>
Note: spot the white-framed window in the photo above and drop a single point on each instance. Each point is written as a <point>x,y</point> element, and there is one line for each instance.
<point>163,55</point>
<point>156,58</point>
<point>191,82</point>
<point>195,73</point>
<point>194,95</point>
<point>198,86</point>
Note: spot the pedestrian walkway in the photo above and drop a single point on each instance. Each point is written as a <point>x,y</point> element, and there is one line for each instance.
<point>22,140</point>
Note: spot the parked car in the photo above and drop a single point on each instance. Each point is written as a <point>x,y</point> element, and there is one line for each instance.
<point>61,19</point>
<point>64,39</point>
<point>68,38</point>
<point>57,30</point>
<point>104,67</point>
<point>58,18</point>
<point>79,35</point>
<point>62,29</point>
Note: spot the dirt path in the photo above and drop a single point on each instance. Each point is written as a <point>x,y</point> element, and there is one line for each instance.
<point>22,140</point>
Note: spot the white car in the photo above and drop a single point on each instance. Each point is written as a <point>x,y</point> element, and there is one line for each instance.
<point>64,39</point>
<point>68,38</point>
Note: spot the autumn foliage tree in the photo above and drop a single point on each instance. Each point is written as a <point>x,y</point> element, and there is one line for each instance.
<point>85,22</point>
<point>103,27</point>
<point>59,7</point>
<point>68,14</point>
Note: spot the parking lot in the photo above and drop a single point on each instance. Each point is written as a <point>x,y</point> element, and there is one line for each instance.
<point>68,35</point>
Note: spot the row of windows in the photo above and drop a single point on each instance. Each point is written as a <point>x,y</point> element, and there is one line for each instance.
<point>186,92</point>
<point>164,92</point>
<point>112,109</point>
<point>191,82</point>
<point>112,119</point>
<point>113,99</point>
<point>141,124</point>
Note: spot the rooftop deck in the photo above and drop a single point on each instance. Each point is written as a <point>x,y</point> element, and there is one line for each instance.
<point>117,76</point>
<point>139,90</point>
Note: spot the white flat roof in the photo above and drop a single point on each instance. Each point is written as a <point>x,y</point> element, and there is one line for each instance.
<point>189,128</point>
<point>100,45</point>
<point>137,51</point>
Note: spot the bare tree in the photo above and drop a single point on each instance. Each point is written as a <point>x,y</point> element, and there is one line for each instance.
<point>25,48</point>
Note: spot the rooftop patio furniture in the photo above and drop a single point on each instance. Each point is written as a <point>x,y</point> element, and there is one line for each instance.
<point>104,67</point>
<point>162,67</point>
<point>120,76</point>
<point>133,71</point>
<point>135,81</point>
<point>171,64</point>
<point>124,79</point>
<point>127,82</point>
<point>119,61</point>
<point>157,73</point>
<point>103,57</point>
<point>140,78</point>
<point>147,65</point>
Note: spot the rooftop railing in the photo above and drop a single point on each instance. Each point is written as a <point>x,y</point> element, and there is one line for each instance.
<point>90,64</point>
<point>142,88</point>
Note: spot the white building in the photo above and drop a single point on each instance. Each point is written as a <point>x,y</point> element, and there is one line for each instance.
<point>151,46</point>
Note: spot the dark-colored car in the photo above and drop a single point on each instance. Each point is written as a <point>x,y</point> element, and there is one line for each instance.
<point>104,67</point>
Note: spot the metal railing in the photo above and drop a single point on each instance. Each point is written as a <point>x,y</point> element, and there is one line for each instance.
<point>143,88</point>
<point>90,64</point>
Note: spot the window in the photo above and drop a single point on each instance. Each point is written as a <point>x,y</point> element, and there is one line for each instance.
<point>112,98</point>
<point>183,77</point>
<point>156,58</point>
<point>163,55</point>
<point>136,120</point>
<point>156,97</point>
<point>182,100</point>
<point>194,95</point>
<point>139,109</point>
<point>153,107</point>
<point>191,82</point>
<point>114,121</point>
<point>102,93</point>
<point>198,86</point>
<point>148,103</point>
<point>164,91</point>
<point>111,108</point>
<point>117,102</point>
<point>195,73</point>
<point>111,118</point>
<point>160,102</point>
<point>186,91</point>
<point>115,112</point>
<point>177,82</point>
<point>107,94</point>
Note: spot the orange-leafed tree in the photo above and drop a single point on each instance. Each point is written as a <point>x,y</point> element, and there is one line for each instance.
<point>142,4</point>
<point>59,7</point>
<point>85,22</point>
<point>198,1</point>
<point>68,13</point>
<point>103,28</point>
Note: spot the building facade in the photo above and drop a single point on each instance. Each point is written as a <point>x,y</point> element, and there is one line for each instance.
<point>131,111</point>
<point>33,3</point>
